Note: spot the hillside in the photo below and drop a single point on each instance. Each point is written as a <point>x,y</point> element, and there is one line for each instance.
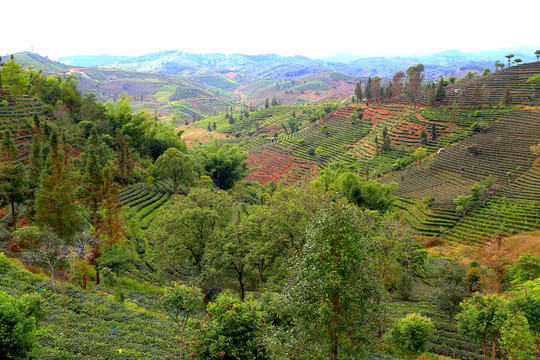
<point>164,96</point>
<point>282,67</point>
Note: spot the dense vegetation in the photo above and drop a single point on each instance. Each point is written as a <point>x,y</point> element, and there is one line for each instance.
<point>295,238</point>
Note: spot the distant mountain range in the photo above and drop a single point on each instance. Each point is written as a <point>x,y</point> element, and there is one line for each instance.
<point>274,66</point>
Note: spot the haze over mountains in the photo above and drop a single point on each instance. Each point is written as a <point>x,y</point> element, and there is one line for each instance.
<point>281,67</point>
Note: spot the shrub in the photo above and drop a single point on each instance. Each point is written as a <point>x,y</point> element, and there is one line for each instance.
<point>412,333</point>
<point>17,339</point>
<point>404,286</point>
<point>232,331</point>
<point>5,264</point>
<point>517,341</point>
<point>4,103</point>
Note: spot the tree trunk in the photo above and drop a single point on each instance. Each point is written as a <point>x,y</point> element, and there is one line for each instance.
<point>13,216</point>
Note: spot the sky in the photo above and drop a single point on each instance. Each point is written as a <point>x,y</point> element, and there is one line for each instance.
<point>57,28</point>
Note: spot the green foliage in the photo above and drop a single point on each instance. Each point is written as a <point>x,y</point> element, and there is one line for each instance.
<point>482,318</point>
<point>332,288</point>
<point>176,166</point>
<point>226,165</point>
<point>517,341</point>
<point>452,287</point>
<point>404,286</point>
<point>180,302</point>
<point>5,264</point>
<point>527,268</point>
<point>13,77</point>
<point>116,258</point>
<point>527,301</point>
<point>232,330</point>
<point>412,333</point>
<point>17,337</point>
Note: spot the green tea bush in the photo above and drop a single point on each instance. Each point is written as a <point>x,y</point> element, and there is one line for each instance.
<point>412,333</point>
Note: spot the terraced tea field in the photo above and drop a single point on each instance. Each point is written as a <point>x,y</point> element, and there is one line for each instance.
<point>144,200</point>
<point>16,115</point>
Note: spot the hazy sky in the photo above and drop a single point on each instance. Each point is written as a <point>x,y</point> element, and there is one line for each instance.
<point>287,27</point>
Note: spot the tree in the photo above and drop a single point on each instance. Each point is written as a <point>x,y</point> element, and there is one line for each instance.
<point>266,104</point>
<point>537,53</point>
<point>13,184</point>
<point>330,293</point>
<point>507,96</point>
<point>412,333</point>
<point>498,65</point>
<point>423,137</point>
<point>232,330</point>
<point>527,268</point>
<point>386,142</point>
<point>325,130</point>
<point>452,288</point>
<point>440,95</point>
<point>481,319</point>
<point>17,325</point>
<point>376,89</point>
<point>55,198</point>
<point>527,301</point>
<point>358,91</point>
<point>517,341</point>
<point>517,60</point>
<point>177,166</point>
<point>509,57</point>
<point>13,78</point>
<point>226,165</point>
<point>415,77</point>
<point>397,84</point>
<point>180,302</point>
<point>124,157</point>
<point>181,233</point>
<point>476,97</point>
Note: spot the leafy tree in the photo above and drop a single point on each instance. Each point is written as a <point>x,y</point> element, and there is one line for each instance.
<point>329,295</point>
<point>440,95</point>
<point>17,336</point>
<point>517,60</point>
<point>13,78</point>
<point>498,65</point>
<point>481,319</point>
<point>527,301</point>
<point>517,341</point>
<point>180,302</point>
<point>124,157</point>
<point>226,165</point>
<point>452,287</point>
<point>537,53</point>
<point>181,232</point>
<point>412,333</point>
<point>386,142</point>
<point>415,76</point>
<point>266,104</point>
<point>325,130</point>
<point>527,268</point>
<point>232,331</point>
<point>176,166</point>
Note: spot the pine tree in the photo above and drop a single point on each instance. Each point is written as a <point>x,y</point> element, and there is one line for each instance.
<point>55,198</point>
<point>358,91</point>
<point>124,157</point>
<point>441,93</point>
<point>13,184</point>
<point>266,104</point>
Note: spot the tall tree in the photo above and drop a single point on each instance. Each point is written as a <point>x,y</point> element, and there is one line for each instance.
<point>517,60</point>
<point>55,198</point>
<point>376,89</point>
<point>397,85</point>
<point>332,287</point>
<point>537,53</point>
<point>358,91</point>
<point>509,57</point>
<point>415,76</point>
<point>13,184</point>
